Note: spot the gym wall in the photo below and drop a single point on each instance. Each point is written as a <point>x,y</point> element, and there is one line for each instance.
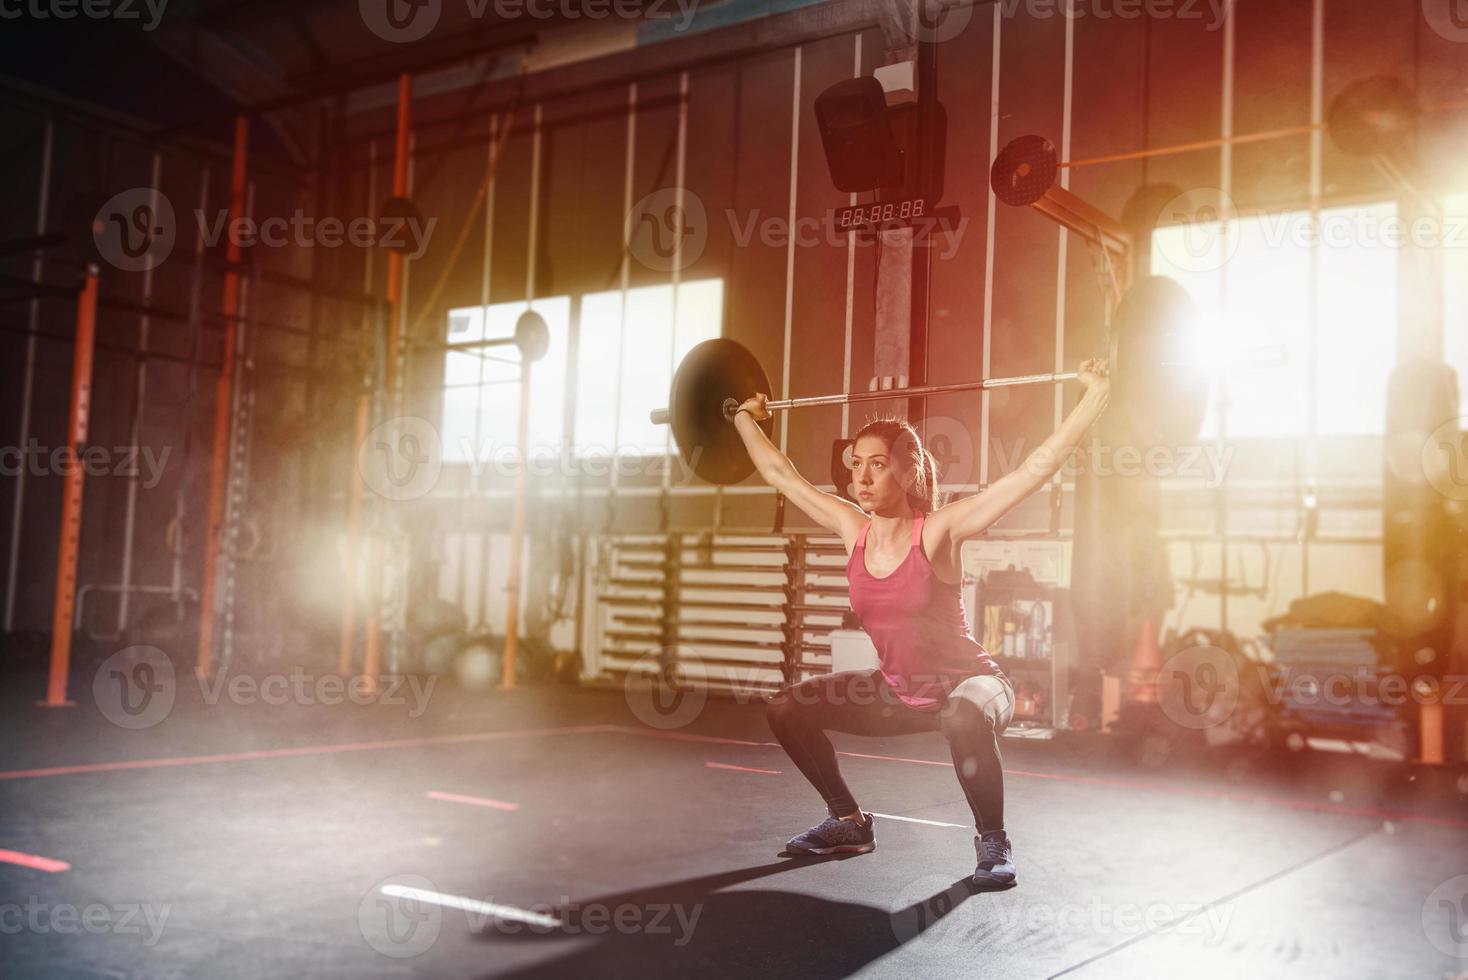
<point>1093,86</point>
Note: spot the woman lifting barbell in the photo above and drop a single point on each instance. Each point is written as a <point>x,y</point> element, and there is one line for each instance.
<point>904,569</point>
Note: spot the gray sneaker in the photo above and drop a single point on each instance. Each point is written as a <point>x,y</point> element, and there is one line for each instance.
<point>996,862</point>
<point>833,836</point>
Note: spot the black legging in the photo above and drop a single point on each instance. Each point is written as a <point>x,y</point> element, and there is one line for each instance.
<point>860,702</point>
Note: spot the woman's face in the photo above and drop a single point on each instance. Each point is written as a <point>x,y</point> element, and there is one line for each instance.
<point>880,481</point>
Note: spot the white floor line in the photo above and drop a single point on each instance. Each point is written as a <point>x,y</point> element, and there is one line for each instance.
<point>506,912</point>
<point>931,823</point>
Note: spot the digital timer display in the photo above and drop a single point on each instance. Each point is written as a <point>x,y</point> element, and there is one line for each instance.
<point>859,215</point>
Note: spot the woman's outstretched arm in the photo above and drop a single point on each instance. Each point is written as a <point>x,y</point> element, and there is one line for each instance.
<point>836,514</point>
<point>972,516</point>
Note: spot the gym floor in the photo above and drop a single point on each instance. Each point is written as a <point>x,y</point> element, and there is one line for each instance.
<point>548,832</point>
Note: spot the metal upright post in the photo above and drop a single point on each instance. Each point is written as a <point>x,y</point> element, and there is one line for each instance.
<point>372,655</point>
<point>38,268</point>
<point>71,512</point>
<point>223,405</point>
<point>517,532</point>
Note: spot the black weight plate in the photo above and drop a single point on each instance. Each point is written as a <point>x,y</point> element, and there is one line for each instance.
<point>714,371</point>
<point>1158,387</point>
<point>1024,170</point>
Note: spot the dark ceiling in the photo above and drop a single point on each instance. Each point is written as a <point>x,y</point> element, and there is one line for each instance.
<point>193,64</point>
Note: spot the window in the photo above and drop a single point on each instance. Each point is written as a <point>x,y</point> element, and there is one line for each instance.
<point>481,396</point>
<point>622,373</point>
<point>627,362</point>
<point>1251,280</point>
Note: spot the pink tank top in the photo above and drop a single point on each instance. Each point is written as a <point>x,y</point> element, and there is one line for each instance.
<point>917,623</point>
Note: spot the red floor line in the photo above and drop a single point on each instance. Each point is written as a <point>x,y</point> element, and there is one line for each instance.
<point>31,861</point>
<point>472,800</point>
<point>684,736</point>
<point>1321,807</point>
<point>300,750</point>
<point>1315,805</point>
<point>724,765</point>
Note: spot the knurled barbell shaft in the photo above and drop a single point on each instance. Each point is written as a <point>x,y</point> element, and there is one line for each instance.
<point>660,415</point>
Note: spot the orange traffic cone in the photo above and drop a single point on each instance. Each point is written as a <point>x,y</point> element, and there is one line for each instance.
<point>1146,665</point>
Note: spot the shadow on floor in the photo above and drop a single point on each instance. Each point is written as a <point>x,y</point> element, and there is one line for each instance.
<point>691,928</point>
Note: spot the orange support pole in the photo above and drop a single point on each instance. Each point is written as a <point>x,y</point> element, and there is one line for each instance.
<point>223,392</point>
<point>372,652</point>
<point>71,510</point>
<point>1430,732</point>
<point>354,540</point>
<point>517,534</point>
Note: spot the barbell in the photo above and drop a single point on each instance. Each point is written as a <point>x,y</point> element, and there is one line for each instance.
<point>1158,391</point>
<point>532,337</point>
